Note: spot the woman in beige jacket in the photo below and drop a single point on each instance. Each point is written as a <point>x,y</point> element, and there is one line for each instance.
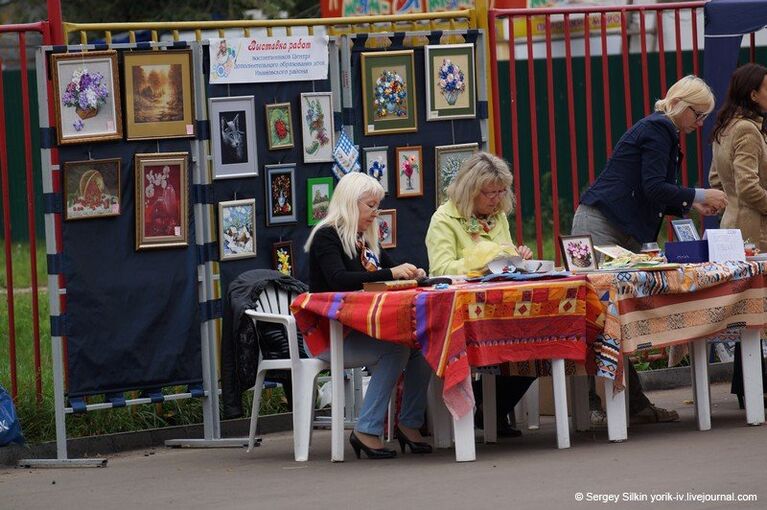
<point>739,164</point>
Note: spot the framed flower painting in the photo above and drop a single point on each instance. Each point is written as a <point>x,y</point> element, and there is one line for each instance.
<point>387,228</point>
<point>237,229</point>
<point>280,194</point>
<point>319,190</point>
<point>388,92</point>
<point>282,257</point>
<point>377,165</point>
<point>86,89</point>
<point>578,253</point>
<point>279,126</point>
<point>409,171</point>
<point>450,82</point>
<point>447,161</point>
<point>159,95</point>
<point>233,135</point>
<point>161,200</point>
<point>91,189</point>
<point>317,126</point>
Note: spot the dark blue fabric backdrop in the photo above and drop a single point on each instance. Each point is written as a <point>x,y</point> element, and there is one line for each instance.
<point>132,319</point>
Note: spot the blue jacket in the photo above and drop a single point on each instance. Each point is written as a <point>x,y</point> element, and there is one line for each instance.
<point>639,183</point>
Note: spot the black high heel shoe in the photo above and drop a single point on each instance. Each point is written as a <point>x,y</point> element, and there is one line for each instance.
<point>415,446</point>
<point>372,453</point>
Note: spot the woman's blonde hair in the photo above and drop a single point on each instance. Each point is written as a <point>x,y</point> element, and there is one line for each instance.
<point>480,170</point>
<point>344,212</point>
<point>689,91</point>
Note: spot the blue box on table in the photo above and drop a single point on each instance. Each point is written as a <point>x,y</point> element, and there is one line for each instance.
<point>687,252</point>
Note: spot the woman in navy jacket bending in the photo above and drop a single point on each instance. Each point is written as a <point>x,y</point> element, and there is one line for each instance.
<point>637,188</point>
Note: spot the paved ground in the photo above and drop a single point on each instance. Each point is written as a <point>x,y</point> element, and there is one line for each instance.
<point>529,473</point>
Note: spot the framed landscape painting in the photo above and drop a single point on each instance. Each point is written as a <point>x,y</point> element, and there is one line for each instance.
<point>280,194</point>
<point>317,126</point>
<point>279,126</point>
<point>282,257</point>
<point>233,135</point>
<point>319,190</point>
<point>387,228</point>
<point>237,229</point>
<point>409,170</point>
<point>161,200</point>
<point>91,189</point>
<point>377,164</point>
<point>86,90</point>
<point>447,161</point>
<point>388,92</point>
<point>159,97</point>
<point>450,82</point>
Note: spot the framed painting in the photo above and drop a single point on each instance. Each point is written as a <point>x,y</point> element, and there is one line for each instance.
<point>159,97</point>
<point>578,253</point>
<point>377,164</point>
<point>86,90</point>
<point>409,171</point>
<point>319,190</point>
<point>161,200</point>
<point>387,228</point>
<point>317,126</point>
<point>279,126</point>
<point>233,133</point>
<point>237,229</point>
<point>280,194</point>
<point>685,230</point>
<point>388,92</point>
<point>447,161</point>
<point>91,189</point>
<point>282,257</point>
<point>450,82</point>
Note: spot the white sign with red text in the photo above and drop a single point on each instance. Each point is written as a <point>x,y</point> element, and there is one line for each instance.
<point>268,59</point>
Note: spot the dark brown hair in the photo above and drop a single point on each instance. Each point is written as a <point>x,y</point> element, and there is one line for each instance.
<point>745,79</point>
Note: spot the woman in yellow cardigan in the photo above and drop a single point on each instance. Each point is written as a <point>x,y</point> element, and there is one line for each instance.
<point>479,200</point>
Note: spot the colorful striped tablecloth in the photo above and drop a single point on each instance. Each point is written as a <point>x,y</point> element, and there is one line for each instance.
<point>471,324</point>
<point>648,309</point>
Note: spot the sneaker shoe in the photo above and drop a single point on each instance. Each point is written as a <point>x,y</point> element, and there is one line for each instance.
<point>598,419</point>
<point>653,414</point>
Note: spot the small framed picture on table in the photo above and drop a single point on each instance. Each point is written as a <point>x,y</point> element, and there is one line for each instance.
<point>685,230</point>
<point>578,253</point>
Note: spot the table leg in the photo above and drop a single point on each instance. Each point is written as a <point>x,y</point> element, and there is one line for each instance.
<point>489,428</point>
<point>560,402</point>
<point>465,449</point>
<point>533,404</point>
<point>439,415</point>
<point>700,386</point>
<point>615,406</point>
<point>337,382</point>
<point>579,399</point>
<point>751,355</point>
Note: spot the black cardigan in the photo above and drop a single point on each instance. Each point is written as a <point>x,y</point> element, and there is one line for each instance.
<point>330,269</point>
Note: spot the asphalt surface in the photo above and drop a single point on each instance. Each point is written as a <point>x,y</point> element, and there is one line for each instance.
<point>660,466</point>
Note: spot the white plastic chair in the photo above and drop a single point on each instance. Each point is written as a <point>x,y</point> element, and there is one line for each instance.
<point>274,306</point>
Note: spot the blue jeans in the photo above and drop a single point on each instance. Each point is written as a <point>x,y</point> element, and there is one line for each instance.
<point>386,361</point>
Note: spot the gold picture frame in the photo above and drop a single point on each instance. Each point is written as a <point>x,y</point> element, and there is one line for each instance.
<point>93,118</point>
<point>159,94</point>
<point>162,216</point>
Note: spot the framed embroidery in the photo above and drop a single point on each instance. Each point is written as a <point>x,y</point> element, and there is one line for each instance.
<point>388,92</point>
<point>450,82</point>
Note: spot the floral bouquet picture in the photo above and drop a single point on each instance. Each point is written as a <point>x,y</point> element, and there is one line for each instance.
<point>387,228</point>
<point>409,172</point>
<point>282,257</point>
<point>279,126</point>
<point>280,194</point>
<point>161,200</point>
<point>578,253</point>
<point>87,96</point>
<point>317,126</point>
<point>388,92</point>
<point>377,165</point>
<point>450,82</point>
<point>237,229</point>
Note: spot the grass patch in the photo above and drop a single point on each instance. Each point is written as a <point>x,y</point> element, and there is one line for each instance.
<point>20,260</point>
